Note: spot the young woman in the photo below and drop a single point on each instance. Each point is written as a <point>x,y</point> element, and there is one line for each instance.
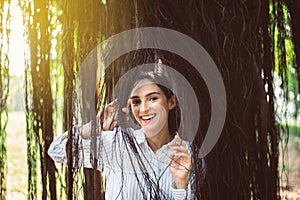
<point>150,161</point>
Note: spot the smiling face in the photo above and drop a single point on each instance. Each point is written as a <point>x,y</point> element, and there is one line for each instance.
<point>150,107</point>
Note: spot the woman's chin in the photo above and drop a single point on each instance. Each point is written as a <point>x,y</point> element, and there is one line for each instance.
<point>152,130</point>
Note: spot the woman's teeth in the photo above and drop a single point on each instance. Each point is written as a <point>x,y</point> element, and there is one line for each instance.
<point>147,117</point>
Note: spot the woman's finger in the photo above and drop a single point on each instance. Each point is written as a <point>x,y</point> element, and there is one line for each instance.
<point>108,110</point>
<point>177,142</point>
<point>109,124</point>
<point>179,148</point>
<point>126,109</point>
<point>98,119</point>
<point>180,161</point>
<point>179,155</point>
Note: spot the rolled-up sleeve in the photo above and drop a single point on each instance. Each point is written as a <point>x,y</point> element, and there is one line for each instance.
<point>57,149</point>
<point>81,148</point>
<point>181,194</point>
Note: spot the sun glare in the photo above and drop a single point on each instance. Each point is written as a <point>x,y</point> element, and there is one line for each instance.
<point>17,42</point>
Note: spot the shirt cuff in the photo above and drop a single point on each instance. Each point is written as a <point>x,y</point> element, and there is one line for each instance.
<point>179,194</point>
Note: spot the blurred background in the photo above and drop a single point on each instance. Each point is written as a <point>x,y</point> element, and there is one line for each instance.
<point>44,42</point>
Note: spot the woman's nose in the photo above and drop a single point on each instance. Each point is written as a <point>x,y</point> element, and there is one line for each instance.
<point>144,106</point>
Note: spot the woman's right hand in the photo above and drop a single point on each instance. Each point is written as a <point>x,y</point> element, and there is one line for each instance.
<point>107,118</point>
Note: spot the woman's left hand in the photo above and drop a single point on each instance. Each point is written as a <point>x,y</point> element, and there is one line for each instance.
<point>180,163</point>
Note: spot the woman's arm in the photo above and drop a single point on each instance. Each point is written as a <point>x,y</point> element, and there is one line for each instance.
<point>82,141</point>
<point>106,120</point>
<point>57,149</point>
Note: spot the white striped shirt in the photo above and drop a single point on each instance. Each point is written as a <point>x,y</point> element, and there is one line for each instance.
<point>125,178</point>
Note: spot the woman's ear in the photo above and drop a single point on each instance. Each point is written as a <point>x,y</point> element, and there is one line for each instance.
<point>172,102</point>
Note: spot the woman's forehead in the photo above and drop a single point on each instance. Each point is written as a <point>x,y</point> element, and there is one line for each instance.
<point>144,86</point>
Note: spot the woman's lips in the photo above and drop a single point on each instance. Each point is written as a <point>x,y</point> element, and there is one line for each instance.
<point>147,118</point>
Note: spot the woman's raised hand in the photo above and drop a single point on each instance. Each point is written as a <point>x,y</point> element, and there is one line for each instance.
<point>180,163</point>
<point>107,118</point>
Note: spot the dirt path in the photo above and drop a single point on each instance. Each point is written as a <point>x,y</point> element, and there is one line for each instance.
<point>16,156</point>
<point>292,162</point>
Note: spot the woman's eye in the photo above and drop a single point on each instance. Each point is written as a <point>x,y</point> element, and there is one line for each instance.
<point>136,101</point>
<point>153,98</point>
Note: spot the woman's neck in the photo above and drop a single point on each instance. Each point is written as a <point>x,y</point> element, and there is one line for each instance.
<point>158,140</point>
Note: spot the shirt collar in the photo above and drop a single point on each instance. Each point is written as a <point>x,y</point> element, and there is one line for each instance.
<point>140,136</point>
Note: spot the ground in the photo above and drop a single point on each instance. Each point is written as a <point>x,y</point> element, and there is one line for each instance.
<point>16,155</point>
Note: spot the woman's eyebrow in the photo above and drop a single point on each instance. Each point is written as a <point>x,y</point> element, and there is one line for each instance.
<point>151,93</point>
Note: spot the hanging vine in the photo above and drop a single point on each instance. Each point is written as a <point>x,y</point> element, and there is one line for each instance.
<point>294,10</point>
<point>81,33</point>
<point>4,91</point>
<point>69,68</point>
<point>39,100</point>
